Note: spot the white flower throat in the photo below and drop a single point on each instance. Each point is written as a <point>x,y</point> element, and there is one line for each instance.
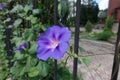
<point>53,44</point>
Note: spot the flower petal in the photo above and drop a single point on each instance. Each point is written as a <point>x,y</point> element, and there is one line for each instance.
<point>50,34</point>
<point>60,50</point>
<point>53,32</point>
<point>57,54</point>
<point>65,34</point>
<point>43,43</point>
<point>22,46</point>
<point>63,47</point>
<point>1,7</point>
<point>53,43</point>
<point>54,28</point>
<point>43,37</point>
<point>43,53</point>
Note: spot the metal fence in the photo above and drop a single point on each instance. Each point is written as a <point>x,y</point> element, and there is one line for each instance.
<point>9,46</point>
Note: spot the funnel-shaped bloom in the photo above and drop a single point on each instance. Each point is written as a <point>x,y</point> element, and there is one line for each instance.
<point>53,43</point>
<point>1,7</point>
<point>22,46</point>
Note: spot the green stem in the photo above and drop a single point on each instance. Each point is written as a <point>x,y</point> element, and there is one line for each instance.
<point>66,60</point>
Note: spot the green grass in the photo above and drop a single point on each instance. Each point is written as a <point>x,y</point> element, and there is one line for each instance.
<point>89,36</point>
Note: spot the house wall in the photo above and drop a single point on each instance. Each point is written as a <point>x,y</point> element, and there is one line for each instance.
<point>111,8</point>
<point>118,15</point>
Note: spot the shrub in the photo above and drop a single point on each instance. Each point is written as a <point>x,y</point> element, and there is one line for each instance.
<point>105,35</point>
<point>107,32</point>
<point>107,29</point>
<point>88,27</point>
<point>109,22</point>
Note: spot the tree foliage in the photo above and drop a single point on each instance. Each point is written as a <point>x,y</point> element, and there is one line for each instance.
<point>89,11</point>
<point>88,27</point>
<point>109,22</point>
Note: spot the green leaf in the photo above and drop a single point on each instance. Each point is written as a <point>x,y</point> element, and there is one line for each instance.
<point>17,8</point>
<point>45,26</point>
<point>34,71</point>
<point>17,22</point>
<point>16,69</point>
<point>34,20</point>
<point>63,8</point>
<point>81,49</point>
<point>75,55</point>
<point>43,68</point>
<point>36,26</point>
<point>22,14</point>
<point>8,19</point>
<point>17,40</point>
<point>18,55</point>
<point>30,17</point>
<point>29,35</point>
<point>27,8</point>
<point>64,73</point>
<point>86,61</point>
<point>23,70</point>
<point>31,61</point>
<point>33,48</point>
<point>27,66</point>
<point>36,11</point>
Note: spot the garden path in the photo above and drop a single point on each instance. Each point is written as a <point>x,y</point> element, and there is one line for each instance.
<point>101,56</point>
<point>101,60</point>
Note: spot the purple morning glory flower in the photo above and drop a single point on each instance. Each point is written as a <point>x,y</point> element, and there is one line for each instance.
<point>53,43</point>
<point>22,46</point>
<point>1,7</point>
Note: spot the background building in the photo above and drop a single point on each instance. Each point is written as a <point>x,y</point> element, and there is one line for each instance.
<point>114,9</point>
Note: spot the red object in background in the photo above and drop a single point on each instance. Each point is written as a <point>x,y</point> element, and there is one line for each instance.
<point>114,9</point>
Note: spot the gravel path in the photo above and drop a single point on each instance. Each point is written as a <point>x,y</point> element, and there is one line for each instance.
<point>101,60</point>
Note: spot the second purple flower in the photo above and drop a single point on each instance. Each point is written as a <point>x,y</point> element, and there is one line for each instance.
<point>53,43</point>
<point>22,46</point>
<point>1,7</point>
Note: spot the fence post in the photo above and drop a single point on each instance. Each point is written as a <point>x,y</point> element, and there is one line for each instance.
<point>35,3</point>
<point>76,41</point>
<point>115,68</point>
<point>8,35</point>
<point>9,45</point>
<point>55,23</point>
